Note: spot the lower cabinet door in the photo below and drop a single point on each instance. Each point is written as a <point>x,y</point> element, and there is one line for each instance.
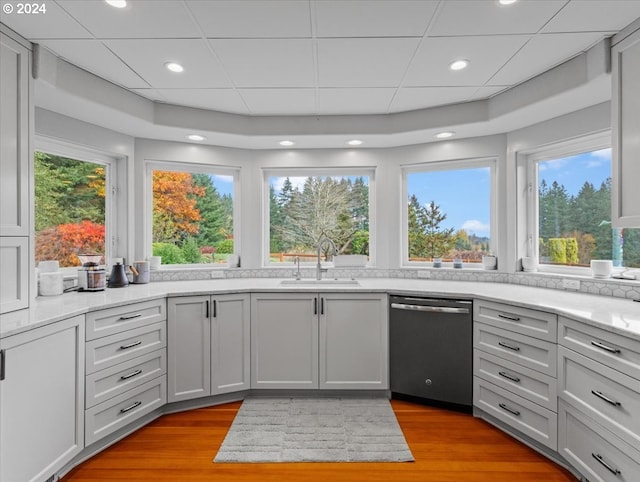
<point>42,401</point>
<point>531,419</point>
<point>119,411</point>
<point>593,451</point>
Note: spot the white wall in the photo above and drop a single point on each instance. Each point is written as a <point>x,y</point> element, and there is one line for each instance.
<point>386,162</point>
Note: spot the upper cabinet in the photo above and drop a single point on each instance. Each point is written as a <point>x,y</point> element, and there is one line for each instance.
<point>14,138</point>
<point>625,123</point>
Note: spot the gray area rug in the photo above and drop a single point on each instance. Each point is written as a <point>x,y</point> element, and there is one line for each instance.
<point>314,430</point>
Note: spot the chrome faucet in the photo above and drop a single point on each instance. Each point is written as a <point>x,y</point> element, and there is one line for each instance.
<point>324,240</point>
<point>297,274</point>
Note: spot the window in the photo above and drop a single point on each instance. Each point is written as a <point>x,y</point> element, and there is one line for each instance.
<point>448,213</point>
<point>192,219</point>
<point>71,208</point>
<point>571,212</point>
<point>305,206</point>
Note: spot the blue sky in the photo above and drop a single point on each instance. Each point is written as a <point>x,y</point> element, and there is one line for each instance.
<point>224,184</point>
<point>573,171</point>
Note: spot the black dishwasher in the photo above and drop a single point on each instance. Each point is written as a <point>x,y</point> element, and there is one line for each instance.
<point>431,351</point>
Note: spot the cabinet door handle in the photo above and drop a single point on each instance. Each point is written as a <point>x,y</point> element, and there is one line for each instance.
<point>509,409</point>
<point>215,309</point>
<point>604,347</point>
<point>611,469</point>
<point>322,306</point>
<point>2,364</point>
<point>207,310</point>
<point>130,407</point>
<point>602,396</point>
<point>130,345</point>
<point>510,347</point>
<point>131,375</point>
<point>509,377</point>
<point>315,306</point>
<point>508,317</point>
<point>130,317</point>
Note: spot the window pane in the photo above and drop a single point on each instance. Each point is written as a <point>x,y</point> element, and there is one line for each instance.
<point>449,214</point>
<point>574,213</point>
<point>69,208</point>
<point>192,217</point>
<point>304,209</point>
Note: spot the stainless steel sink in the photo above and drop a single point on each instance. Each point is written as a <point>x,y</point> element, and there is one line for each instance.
<point>330,282</point>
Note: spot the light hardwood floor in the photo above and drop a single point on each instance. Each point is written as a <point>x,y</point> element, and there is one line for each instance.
<point>448,447</point>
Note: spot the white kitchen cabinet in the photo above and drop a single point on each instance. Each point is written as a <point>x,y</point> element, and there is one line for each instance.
<point>42,400</point>
<point>209,343</point>
<point>319,340</point>
<point>354,341</point>
<point>284,340</point>
<point>14,275</point>
<point>625,124</point>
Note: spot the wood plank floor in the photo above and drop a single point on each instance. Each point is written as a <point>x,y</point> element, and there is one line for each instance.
<point>448,447</point>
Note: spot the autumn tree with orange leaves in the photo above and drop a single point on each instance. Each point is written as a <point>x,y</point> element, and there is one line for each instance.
<point>175,215</point>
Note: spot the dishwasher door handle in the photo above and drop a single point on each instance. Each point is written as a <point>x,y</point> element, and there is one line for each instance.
<point>429,309</point>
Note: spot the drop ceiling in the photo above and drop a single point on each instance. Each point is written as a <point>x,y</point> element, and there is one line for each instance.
<point>321,57</point>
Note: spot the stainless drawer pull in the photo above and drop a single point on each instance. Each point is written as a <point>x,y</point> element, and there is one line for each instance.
<point>509,377</point>
<point>124,318</point>
<point>604,347</point>
<point>510,347</point>
<point>599,458</point>
<point>130,345</point>
<point>508,409</point>
<point>507,317</point>
<point>131,375</point>
<point>605,398</point>
<point>130,407</point>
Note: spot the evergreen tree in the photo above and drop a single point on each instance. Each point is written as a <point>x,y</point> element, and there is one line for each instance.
<point>212,212</point>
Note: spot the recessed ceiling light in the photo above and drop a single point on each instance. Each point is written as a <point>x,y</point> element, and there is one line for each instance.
<point>174,67</point>
<point>287,143</point>
<point>354,142</point>
<point>117,3</point>
<point>459,64</point>
<point>445,134</point>
<point>196,137</point>
<point>507,2</point>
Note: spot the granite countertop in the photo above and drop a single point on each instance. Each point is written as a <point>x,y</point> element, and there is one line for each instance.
<point>614,314</point>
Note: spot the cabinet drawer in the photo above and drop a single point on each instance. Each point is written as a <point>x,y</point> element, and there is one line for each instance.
<point>531,352</point>
<point>608,396</point>
<point>112,381</point>
<point>592,450</point>
<point>121,318</point>
<point>514,318</point>
<point>118,348</point>
<point>527,417</point>
<point>113,414</point>
<point>611,349</point>
<point>527,383</point>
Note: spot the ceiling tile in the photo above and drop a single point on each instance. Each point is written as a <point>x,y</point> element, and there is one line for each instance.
<point>412,98</point>
<point>487,54</point>
<point>354,101</point>
<point>147,58</point>
<point>222,100</point>
<point>488,17</point>
<point>147,19</point>
<point>55,23</point>
<point>280,101</point>
<point>541,53</point>
<point>372,62</point>
<point>93,56</point>
<point>382,18</point>
<point>267,62</point>
<point>252,18</point>
<point>587,15</point>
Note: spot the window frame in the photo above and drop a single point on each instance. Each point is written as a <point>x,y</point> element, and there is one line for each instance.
<point>210,169</point>
<point>111,162</point>
<point>449,165</point>
<point>529,160</point>
<point>368,171</point>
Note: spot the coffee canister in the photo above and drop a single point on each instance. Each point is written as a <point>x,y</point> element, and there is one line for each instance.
<point>142,267</point>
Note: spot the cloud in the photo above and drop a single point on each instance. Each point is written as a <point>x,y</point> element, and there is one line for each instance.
<point>476,227</point>
<point>225,179</point>
<point>297,182</point>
